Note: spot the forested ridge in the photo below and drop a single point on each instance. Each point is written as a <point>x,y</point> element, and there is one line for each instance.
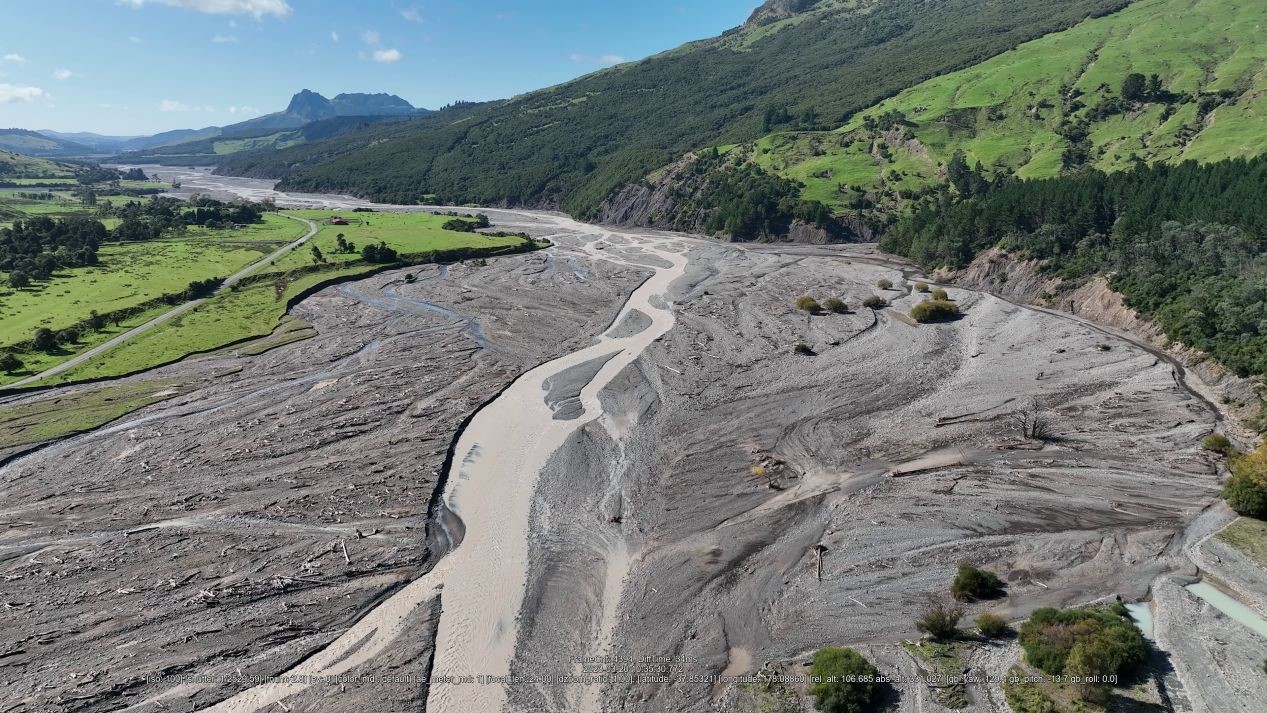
<point>1184,244</point>
<point>571,146</point>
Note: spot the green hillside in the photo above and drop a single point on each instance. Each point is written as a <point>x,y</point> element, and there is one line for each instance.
<point>570,146</point>
<point>15,167</point>
<point>31,143</point>
<point>1055,103</point>
<point>211,150</point>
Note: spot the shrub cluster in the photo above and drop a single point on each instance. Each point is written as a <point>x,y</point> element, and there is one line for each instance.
<point>972,584</point>
<point>809,304</point>
<point>992,625</point>
<point>935,311</point>
<point>848,681</point>
<point>940,620</point>
<point>1056,640</point>
<point>1246,491</point>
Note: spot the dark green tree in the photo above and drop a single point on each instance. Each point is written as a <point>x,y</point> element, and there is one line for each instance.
<point>1134,88</point>
<point>848,682</point>
<point>44,340</point>
<point>9,362</point>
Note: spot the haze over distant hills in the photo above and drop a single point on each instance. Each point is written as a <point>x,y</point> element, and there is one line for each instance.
<point>305,107</point>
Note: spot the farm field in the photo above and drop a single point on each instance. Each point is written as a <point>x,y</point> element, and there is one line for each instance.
<point>406,233</point>
<point>258,307</point>
<point>130,274</point>
<point>62,205</point>
<point>254,310</point>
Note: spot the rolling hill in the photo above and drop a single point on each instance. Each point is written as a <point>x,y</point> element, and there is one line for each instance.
<point>18,166</point>
<point>31,143</point>
<point>571,146</point>
<point>1053,105</point>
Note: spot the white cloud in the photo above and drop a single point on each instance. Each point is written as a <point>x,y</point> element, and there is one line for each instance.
<point>334,36</point>
<point>605,60</point>
<point>171,105</point>
<point>370,37</point>
<point>225,39</point>
<point>411,14</point>
<point>245,110</point>
<point>10,93</point>
<point>256,8</point>
<point>15,58</point>
<point>387,56</point>
<point>63,74</point>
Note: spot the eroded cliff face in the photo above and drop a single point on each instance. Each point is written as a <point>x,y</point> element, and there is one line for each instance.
<point>1007,275</point>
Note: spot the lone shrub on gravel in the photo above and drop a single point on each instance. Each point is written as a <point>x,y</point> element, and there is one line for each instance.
<point>940,620</point>
<point>941,295</point>
<point>921,287</point>
<point>874,302</point>
<point>809,304</point>
<point>848,681</point>
<point>885,284</point>
<point>935,311</point>
<point>972,584</point>
<point>835,305</point>
<point>803,349</point>
<point>992,626</point>
<point>1217,443</point>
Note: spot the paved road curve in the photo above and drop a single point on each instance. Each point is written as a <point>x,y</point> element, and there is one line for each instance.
<point>175,312</point>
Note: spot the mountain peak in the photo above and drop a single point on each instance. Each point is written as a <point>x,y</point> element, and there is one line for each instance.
<point>310,106</point>
<point>775,10</point>
<point>381,104</point>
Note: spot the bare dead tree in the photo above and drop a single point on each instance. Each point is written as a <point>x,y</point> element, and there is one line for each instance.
<point>819,549</point>
<point>1032,421</point>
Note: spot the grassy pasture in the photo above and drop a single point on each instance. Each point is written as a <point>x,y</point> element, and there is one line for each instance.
<point>257,311</point>
<point>66,415</point>
<point>130,274</point>
<point>1005,111</point>
<point>1249,536</point>
<point>404,232</point>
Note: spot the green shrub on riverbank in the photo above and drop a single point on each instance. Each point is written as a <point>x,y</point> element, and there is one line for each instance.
<point>848,681</point>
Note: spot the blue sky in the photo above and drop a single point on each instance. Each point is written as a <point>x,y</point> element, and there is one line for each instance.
<point>131,67</point>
